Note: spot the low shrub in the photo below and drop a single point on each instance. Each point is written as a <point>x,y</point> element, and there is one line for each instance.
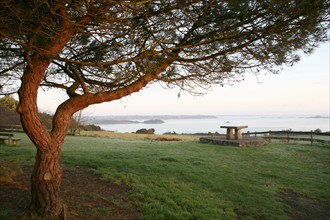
<point>145,131</point>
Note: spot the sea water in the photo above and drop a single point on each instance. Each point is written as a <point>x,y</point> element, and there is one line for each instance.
<point>205,125</point>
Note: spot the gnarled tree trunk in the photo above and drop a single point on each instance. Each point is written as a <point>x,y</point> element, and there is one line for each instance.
<point>46,202</point>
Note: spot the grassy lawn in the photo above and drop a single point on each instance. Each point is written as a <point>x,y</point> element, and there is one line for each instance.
<point>191,180</point>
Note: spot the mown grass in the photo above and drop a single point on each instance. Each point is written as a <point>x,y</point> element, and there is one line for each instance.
<point>190,180</point>
<point>133,136</point>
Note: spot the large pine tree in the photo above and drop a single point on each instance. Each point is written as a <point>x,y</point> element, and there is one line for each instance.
<point>103,50</point>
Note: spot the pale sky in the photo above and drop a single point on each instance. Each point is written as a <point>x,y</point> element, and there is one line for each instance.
<point>301,89</point>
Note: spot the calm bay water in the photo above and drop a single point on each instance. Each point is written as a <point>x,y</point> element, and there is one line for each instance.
<point>255,123</point>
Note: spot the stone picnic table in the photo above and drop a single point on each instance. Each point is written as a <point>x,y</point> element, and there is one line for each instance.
<point>230,134</point>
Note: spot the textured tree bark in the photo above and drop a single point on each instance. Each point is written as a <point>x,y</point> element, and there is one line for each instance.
<point>46,202</point>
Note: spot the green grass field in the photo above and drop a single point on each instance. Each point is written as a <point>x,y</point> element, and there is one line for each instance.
<point>191,180</point>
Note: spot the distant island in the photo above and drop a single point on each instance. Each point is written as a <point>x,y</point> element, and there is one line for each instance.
<point>142,119</point>
<point>318,116</point>
<point>315,116</point>
<point>153,121</point>
<point>112,121</point>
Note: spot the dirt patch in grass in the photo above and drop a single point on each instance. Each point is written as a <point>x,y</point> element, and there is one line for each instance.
<point>86,196</point>
<point>168,139</point>
<point>301,207</point>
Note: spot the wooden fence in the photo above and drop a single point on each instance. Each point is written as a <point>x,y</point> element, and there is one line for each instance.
<point>313,137</point>
<point>10,127</point>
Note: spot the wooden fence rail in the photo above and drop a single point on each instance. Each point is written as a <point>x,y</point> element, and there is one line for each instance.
<point>10,127</point>
<point>293,136</point>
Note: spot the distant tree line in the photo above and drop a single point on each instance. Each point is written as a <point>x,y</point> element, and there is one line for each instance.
<point>10,117</point>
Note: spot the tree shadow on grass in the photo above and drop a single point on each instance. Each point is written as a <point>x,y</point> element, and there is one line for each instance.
<point>301,207</point>
<point>85,195</point>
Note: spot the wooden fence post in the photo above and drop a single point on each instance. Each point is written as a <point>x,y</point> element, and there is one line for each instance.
<point>312,137</point>
<point>296,136</point>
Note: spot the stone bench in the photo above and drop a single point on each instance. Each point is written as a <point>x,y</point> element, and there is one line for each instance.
<point>230,132</point>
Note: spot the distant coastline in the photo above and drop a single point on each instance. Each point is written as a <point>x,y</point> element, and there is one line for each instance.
<point>318,116</point>
<point>142,119</point>
<point>190,124</point>
<point>113,121</point>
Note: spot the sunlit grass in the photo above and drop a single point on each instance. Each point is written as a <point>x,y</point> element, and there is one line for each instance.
<point>133,136</point>
<point>191,180</point>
